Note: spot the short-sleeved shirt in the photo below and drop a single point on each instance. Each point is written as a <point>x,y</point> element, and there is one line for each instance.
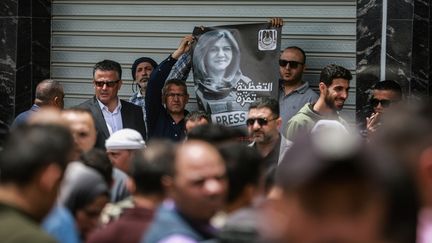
<point>291,103</point>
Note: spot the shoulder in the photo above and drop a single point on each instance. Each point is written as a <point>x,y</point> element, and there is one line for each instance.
<point>168,226</point>
<point>129,105</point>
<point>17,228</point>
<point>88,103</point>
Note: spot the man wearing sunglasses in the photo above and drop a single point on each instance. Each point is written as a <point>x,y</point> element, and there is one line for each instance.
<point>263,125</point>
<point>384,94</point>
<point>109,112</point>
<point>334,87</point>
<point>293,92</point>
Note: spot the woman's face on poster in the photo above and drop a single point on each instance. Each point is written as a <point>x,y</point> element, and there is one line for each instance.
<point>219,55</point>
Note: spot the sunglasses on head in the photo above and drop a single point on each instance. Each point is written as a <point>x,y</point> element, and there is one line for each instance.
<point>292,64</point>
<point>384,103</point>
<point>261,121</point>
<point>108,83</point>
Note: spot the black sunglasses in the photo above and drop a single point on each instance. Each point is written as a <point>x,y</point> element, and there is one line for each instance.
<point>292,64</point>
<point>261,121</point>
<point>384,103</point>
<point>108,83</point>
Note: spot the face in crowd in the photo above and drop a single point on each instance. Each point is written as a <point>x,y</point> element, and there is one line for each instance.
<point>382,99</point>
<point>176,99</point>
<point>106,84</point>
<point>142,75</point>
<point>199,184</point>
<point>291,65</point>
<point>263,125</point>
<point>121,158</point>
<point>83,130</point>
<point>335,94</point>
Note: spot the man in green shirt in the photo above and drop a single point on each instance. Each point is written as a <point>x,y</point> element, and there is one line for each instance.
<point>334,87</point>
<point>31,166</point>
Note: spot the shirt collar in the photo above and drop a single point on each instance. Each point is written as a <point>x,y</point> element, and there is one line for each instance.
<point>104,107</point>
<point>301,89</point>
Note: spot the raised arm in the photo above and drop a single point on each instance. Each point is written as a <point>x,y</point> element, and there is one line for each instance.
<point>153,97</point>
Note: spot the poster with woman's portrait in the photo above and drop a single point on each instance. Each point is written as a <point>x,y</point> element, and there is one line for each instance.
<point>234,66</point>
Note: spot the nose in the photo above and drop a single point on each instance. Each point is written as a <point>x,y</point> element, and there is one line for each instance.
<point>255,125</point>
<point>220,52</point>
<point>344,95</point>
<point>213,186</point>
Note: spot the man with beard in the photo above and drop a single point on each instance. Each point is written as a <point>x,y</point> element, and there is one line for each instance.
<point>333,86</point>
<point>263,125</point>
<point>293,91</point>
<point>141,71</point>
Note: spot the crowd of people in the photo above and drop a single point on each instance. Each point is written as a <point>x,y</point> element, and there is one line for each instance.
<point>147,170</point>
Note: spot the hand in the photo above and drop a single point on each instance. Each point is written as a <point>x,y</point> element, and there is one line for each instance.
<point>276,22</point>
<point>373,122</point>
<point>184,46</point>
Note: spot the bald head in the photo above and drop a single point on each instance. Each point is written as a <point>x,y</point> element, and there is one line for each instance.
<point>199,184</point>
<point>49,93</point>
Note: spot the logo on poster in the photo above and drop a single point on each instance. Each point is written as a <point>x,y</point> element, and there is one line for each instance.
<point>267,40</point>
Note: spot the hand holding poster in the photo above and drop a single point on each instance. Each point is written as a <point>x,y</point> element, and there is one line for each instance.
<point>233,67</point>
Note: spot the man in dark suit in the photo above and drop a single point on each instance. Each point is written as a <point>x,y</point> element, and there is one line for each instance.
<point>110,113</point>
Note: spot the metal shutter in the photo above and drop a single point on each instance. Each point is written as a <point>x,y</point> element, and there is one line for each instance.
<point>85,32</point>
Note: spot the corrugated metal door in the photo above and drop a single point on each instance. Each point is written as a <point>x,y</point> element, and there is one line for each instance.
<point>85,32</point>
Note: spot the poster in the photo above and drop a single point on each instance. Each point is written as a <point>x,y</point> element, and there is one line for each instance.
<point>234,66</point>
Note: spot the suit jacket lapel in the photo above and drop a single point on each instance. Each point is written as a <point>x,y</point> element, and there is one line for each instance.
<point>99,119</point>
<point>127,121</point>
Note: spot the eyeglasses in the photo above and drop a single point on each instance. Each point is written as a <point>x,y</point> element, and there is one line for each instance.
<point>292,64</point>
<point>172,95</point>
<point>261,121</point>
<point>384,103</point>
<point>110,84</point>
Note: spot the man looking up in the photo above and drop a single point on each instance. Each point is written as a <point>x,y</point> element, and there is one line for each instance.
<point>109,112</point>
<point>293,92</point>
<point>263,125</point>
<point>333,86</point>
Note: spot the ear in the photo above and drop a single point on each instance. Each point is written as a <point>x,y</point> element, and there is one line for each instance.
<point>304,67</point>
<point>187,99</point>
<point>120,84</point>
<point>50,177</point>
<point>279,122</point>
<point>322,87</point>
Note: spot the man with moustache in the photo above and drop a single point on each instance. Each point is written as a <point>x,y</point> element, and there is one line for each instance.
<point>333,86</point>
<point>263,125</point>
<point>141,71</point>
